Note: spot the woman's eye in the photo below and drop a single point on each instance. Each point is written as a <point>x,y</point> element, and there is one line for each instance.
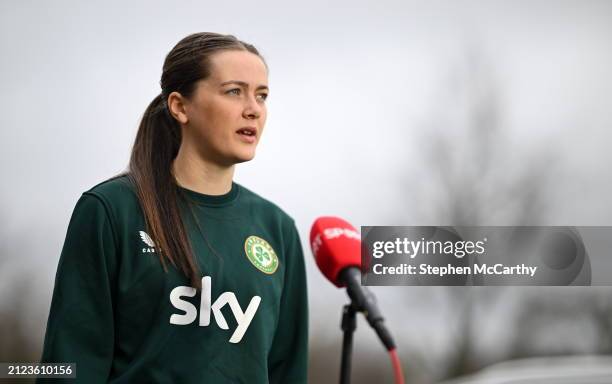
<point>235,91</point>
<point>263,96</point>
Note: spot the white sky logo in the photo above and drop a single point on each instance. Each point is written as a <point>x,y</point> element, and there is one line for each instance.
<point>191,313</point>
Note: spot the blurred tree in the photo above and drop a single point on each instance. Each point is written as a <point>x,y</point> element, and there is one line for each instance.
<point>475,175</point>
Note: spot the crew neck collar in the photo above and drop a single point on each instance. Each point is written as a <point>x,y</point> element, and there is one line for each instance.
<point>212,200</point>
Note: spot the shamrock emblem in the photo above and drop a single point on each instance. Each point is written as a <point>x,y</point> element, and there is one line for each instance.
<point>261,254</point>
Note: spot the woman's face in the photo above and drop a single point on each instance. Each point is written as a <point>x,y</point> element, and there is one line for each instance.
<point>226,113</point>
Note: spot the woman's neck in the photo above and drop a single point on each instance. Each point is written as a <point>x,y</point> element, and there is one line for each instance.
<point>195,173</point>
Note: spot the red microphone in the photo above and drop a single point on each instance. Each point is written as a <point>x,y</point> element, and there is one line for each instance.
<point>336,246</point>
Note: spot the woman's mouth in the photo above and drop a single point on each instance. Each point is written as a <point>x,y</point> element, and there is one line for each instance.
<point>247,134</point>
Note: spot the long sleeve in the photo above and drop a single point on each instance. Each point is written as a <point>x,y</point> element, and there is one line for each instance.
<point>80,324</point>
<point>288,358</point>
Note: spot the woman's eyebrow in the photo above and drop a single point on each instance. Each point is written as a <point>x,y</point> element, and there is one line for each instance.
<point>243,84</point>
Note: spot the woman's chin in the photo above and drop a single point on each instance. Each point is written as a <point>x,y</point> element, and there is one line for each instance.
<point>244,157</point>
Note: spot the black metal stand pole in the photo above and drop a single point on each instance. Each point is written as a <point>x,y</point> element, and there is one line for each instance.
<point>349,324</point>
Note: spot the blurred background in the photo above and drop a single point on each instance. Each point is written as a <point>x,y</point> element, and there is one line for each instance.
<point>383,113</point>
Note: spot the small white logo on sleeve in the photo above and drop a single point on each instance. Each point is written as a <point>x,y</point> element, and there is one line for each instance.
<point>148,241</point>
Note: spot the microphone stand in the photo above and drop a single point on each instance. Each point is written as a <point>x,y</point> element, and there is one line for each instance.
<point>348,326</point>
<point>362,300</point>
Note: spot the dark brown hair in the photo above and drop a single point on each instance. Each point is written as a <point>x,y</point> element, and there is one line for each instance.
<point>157,143</point>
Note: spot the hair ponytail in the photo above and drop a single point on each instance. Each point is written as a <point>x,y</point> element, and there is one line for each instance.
<point>156,145</point>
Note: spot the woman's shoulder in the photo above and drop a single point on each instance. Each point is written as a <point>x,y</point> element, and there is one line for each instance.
<point>116,187</point>
<point>116,193</point>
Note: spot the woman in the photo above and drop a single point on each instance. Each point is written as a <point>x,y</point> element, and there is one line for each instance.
<point>172,272</point>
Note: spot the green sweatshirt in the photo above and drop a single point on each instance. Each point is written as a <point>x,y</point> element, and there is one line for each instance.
<point>122,319</point>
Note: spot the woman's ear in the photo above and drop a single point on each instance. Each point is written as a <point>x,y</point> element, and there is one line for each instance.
<point>176,106</point>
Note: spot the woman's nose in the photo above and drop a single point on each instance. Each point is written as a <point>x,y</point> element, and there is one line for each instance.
<point>252,109</point>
